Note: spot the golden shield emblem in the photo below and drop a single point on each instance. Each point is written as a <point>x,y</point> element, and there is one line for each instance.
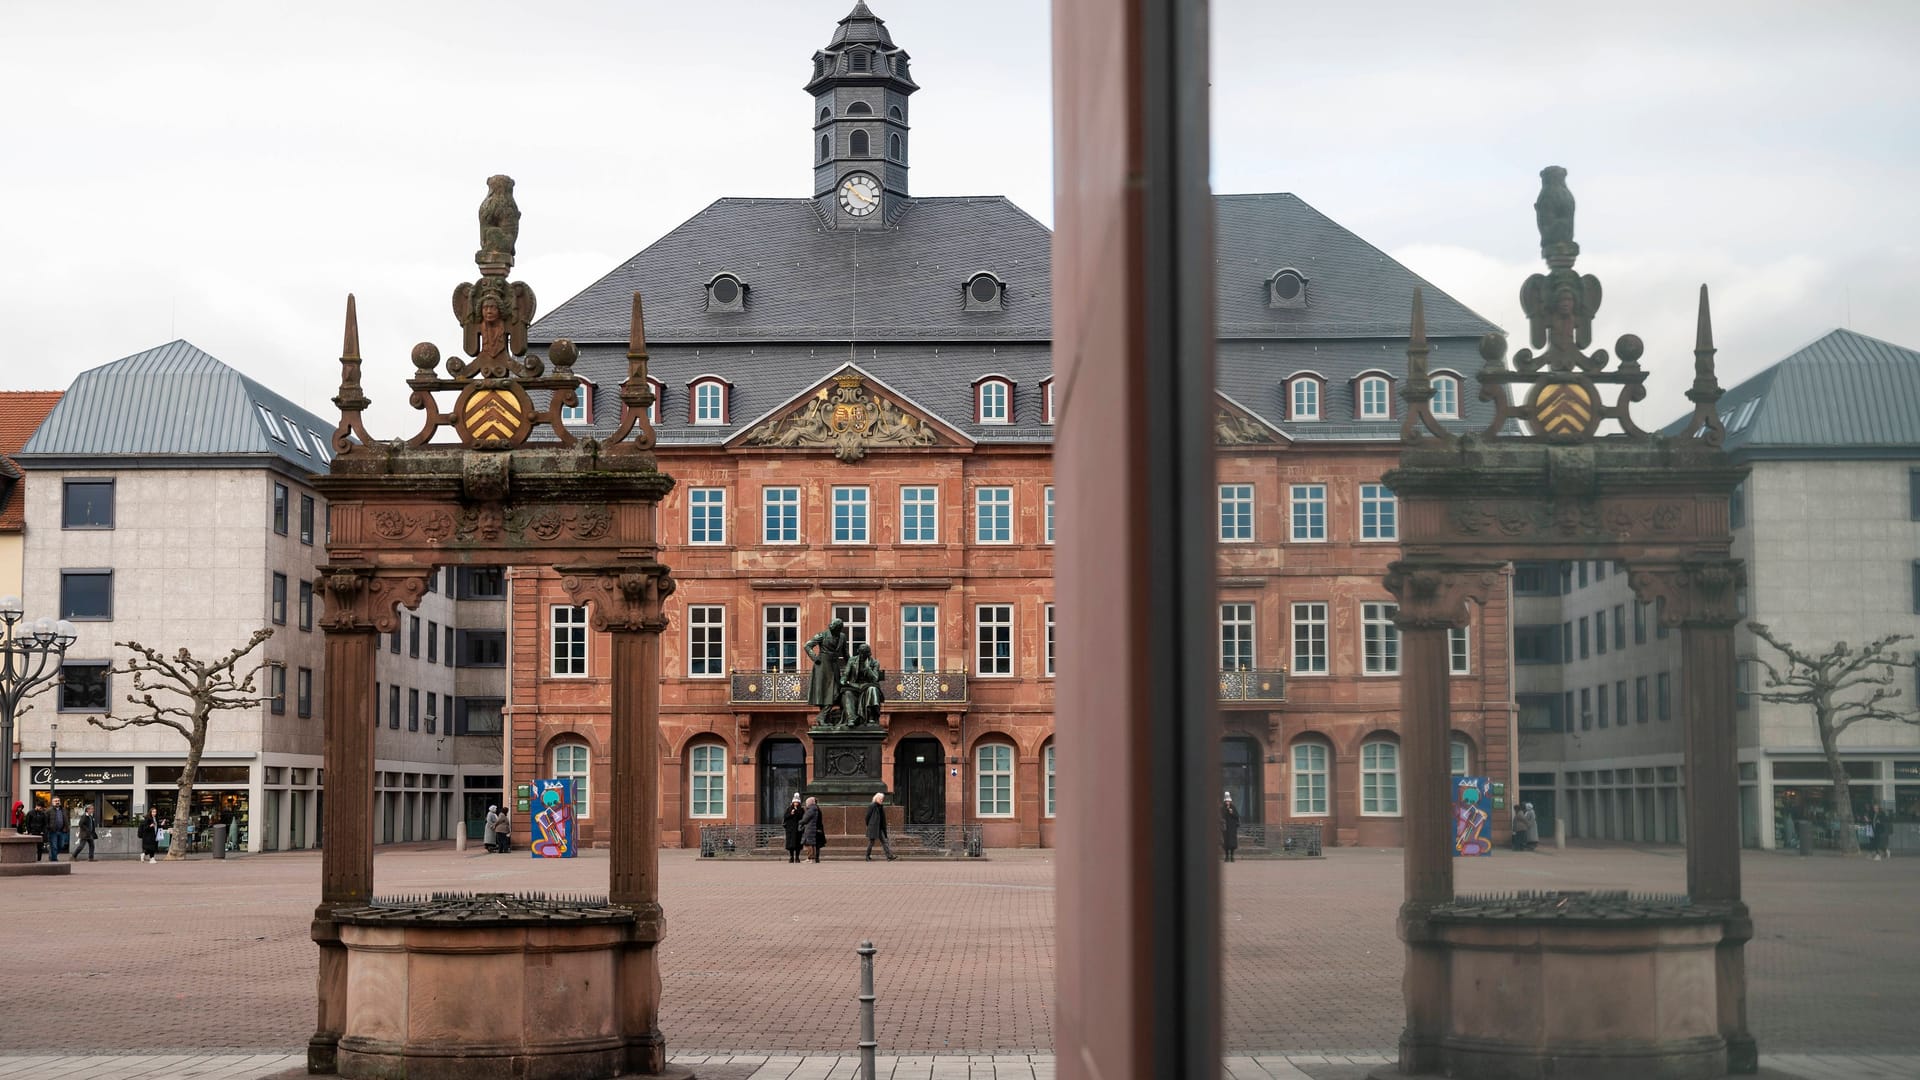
<point>1564,410</point>
<point>493,414</point>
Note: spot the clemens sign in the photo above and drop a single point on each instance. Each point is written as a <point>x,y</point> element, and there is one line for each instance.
<point>85,776</point>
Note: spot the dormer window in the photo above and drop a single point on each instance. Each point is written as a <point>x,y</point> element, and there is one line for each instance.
<point>1046,399</point>
<point>859,108</point>
<point>983,292</point>
<point>726,292</point>
<point>709,401</point>
<point>581,411</point>
<point>1287,289</point>
<point>1373,398</point>
<point>1446,397</point>
<point>1303,397</point>
<point>659,395</point>
<point>993,401</point>
<point>859,60</point>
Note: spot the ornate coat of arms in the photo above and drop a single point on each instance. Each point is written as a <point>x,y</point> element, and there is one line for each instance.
<point>848,419</point>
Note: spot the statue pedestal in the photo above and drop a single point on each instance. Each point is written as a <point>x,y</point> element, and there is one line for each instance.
<point>18,857</point>
<point>846,766</point>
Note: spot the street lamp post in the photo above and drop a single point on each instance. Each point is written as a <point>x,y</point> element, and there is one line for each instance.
<point>30,654</point>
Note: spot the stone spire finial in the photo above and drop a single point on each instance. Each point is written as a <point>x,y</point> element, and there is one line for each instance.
<point>1418,391</point>
<point>636,394</point>
<point>1705,391</point>
<point>351,400</point>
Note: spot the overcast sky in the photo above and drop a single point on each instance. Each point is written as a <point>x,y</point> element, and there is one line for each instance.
<point>227,173</point>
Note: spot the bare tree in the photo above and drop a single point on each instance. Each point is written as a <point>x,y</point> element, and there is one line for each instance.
<point>207,687</point>
<point>1843,686</point>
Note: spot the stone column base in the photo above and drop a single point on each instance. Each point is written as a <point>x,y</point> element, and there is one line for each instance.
<point>18,858</point>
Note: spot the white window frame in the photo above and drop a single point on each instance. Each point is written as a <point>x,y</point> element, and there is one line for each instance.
<point>1303,500</point>
<point>582,408</point>
<point>1236,513</point>
<point>783,618</point>
<point>1049,658</point>
<point>920,506</point>
<point>780,504</point>
<point>1303,398</point>
<point>859,504</point>
<point>1384,506</point>
<point>567,638</point>
<point>1310,615</point>
<point>917,632</point>
<point>1459,650</point>
<point>995,401</point>
<point>706,641</point>
<point>1383,408</point>
<point>1051,788</point>
<point>581,775</point>
<point>701,761</point>
<point>1380,778</point>
<point>858,618</point>
<point>1376,622</point>
<point>992,503</point>
<point>272,422</point>
<point>1236,634</point>
<point>1311,799</point>
<point>1446,397</point>
<point>1049,502</point>
<point>1459,757</point>
<point>1002,626</point>
<point>709,402</point>
<point>703,504</point>
<point>996,780</point>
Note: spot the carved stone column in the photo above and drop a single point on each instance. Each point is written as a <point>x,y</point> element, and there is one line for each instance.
<point>358,604</point>
<point>1701,597</point>
<point>1433,599</point>
<point>626,603</point>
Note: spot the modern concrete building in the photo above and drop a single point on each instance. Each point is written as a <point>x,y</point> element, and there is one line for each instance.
<point>168,504</point>
<point>1828,522</point>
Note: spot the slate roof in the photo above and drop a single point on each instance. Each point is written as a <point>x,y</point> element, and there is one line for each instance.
<point>1845,392</point>
<point>890,300</point>
<point>175,401</point>
<point>21,411</point>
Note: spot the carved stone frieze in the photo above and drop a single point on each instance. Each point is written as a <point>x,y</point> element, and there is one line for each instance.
<point>1234,429</point>
<point>1565,519</point>
<point>363,598</point>
<point>849,420</point>
<point>628,597</point>
<point>491,523</point>
<point>1702,592</point>
<point>1436,593</point>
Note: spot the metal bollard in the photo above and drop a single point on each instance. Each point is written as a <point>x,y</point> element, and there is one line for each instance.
<point>867,1042</point>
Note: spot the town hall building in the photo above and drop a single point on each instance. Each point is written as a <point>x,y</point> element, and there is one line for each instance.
<point>854,395</point>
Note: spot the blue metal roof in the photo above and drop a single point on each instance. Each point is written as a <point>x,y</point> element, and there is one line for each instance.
<point>1845,391</point>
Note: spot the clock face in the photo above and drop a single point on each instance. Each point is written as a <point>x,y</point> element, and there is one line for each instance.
<point>859,195</point>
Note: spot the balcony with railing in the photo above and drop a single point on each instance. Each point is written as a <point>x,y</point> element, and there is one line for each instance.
<point>901,690</point>
<point>1253,686</point>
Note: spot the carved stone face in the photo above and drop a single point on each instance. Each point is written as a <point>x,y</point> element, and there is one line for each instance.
<point>489,311</point>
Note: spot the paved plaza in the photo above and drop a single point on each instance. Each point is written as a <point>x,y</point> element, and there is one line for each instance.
<point>123,958</point>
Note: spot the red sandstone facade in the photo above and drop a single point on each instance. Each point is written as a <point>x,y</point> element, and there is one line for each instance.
<point>1304,759</point>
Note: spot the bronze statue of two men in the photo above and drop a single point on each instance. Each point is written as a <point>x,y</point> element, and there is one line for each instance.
<point>846,680</point>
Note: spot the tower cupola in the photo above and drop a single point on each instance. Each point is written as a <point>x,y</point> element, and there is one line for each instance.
<point>860,87</point>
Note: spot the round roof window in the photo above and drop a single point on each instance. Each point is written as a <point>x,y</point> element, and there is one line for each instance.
<point>1287,285</point>
<point>725,289</point>
<point>984,288</point>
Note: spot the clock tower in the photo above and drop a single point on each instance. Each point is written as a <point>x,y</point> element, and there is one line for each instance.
<point>860,87</point>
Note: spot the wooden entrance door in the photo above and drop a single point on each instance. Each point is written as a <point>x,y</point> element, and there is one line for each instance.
<point>783,773</point>
<point>920,781</point>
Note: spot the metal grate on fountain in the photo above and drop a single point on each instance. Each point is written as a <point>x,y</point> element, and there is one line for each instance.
<point>1572,904</point>
<point>485,906</point>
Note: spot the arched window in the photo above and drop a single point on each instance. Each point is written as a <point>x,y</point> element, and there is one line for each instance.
<point>1446,397</point>
<point>893,147</point>
<point>993,781</point>
<point>1306,398</point>
<point>893,112</point>
<point>1374,401</point>
<point>708,763</point>
<point>1310,779</point>
<point>857,144</point>
<point>859,108</point>
<point>709,403</point>
<point>993,402</point>
<point>826,147</point>
<point>1049,757</point>
<point>826,113</point>
<point>572,762</point>
<point>1461,756</point>
<point>1380,779</point>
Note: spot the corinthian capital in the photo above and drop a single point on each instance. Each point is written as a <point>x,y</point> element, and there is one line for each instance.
<point>1433,593</point>
<point>627,596</point>
<point>368,597</point>
<point>1697,592</point>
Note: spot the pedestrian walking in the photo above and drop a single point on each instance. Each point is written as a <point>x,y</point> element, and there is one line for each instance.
<point>149,833</point>
<point>486,832</point>
<point>1526,829</point>
<point>877,826</point>
<point>1882,835</point>
<point>1229,825</point>
<point>503,831</point>
<point>86,834</point>
<point>56,830</point>
<point>813,835</point>
<point>792,823</point>
<point>34,824</point>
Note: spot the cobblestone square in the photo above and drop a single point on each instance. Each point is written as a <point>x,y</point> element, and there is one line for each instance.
<point>759,956</point>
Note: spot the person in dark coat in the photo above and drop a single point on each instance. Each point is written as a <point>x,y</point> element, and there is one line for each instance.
<point>792,822</point>
<point>86,834</point>
<point>35,824</point>
<point>149,833</point>
<point>56,829</point>
<point>877,826</point>
<point>1229,825</point>
<point>813,834</point>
